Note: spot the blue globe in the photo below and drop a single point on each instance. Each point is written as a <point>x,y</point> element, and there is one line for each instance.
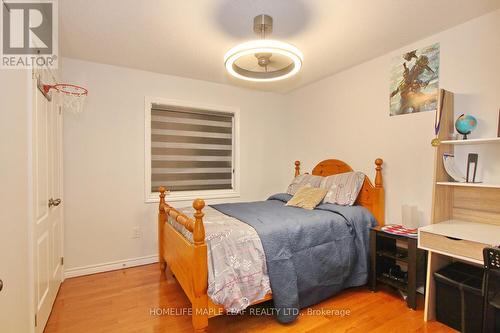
<point>465,124</point>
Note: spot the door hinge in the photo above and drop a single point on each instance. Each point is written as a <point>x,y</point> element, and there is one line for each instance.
<point>36,321</point>
<point>62,261</point>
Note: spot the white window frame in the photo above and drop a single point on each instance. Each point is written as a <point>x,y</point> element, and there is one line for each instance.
<point>151,197</point>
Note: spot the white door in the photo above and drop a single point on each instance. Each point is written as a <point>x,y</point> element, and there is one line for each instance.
<point>47,212</point>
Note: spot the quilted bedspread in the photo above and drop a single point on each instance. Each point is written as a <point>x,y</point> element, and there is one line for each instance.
<point>303,256</point>
<point>310,255</point>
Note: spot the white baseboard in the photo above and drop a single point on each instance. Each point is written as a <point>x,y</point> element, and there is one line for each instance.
<point>109,266</point>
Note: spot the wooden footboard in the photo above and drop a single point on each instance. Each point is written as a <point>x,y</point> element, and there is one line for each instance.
<point>187,261</point>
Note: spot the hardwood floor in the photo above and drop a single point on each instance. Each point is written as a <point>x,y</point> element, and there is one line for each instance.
<point>130,300</point>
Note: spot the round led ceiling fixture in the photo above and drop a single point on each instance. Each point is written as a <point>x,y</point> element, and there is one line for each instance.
<point>263,60</point>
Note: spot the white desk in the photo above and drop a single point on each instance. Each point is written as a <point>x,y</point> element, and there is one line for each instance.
<point>453,239</point>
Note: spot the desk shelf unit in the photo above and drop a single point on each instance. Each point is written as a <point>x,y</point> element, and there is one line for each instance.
<point>465,216</point>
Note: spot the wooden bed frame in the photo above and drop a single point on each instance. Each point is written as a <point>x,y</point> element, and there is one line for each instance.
<point>188,261</point>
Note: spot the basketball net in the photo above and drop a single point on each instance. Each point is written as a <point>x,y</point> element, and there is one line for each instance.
<point>72,96</point>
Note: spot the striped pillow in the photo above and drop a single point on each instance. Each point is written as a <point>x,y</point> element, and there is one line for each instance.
<point>343,188</point>
<point>303,180</point>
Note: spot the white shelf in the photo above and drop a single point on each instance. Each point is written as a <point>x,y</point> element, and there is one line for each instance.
<point>469,184</point>
<point>471,141</point>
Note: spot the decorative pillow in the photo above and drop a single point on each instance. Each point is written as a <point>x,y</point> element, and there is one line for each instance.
<point>343,188</point>
<point>307,197</point>
<point>303,180</point>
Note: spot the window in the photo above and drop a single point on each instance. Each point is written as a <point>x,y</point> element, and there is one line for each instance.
<point>190,149</point>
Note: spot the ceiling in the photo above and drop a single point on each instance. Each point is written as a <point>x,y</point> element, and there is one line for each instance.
<point>189,38</point>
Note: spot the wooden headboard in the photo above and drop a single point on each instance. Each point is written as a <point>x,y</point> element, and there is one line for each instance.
<point>371,197</point>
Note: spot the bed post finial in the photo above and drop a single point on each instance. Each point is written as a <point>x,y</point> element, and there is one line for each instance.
<point>162,190</point>
<point>378,172</point>
<point>297,168</point>
<point>199,229</point>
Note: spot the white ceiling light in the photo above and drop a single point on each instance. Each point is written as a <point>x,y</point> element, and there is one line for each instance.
<point>263,60</point>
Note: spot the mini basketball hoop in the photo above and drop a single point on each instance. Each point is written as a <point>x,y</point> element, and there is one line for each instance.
<point>73,97</point>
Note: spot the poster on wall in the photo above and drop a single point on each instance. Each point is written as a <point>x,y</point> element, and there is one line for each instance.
<point>415,81</point>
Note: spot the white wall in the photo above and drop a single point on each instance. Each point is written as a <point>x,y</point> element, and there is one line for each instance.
<point>346,116</point>
<point>104,156</point>
<point>15,302</point>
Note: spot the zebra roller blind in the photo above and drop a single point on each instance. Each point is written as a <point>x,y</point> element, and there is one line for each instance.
<point>191,149</point>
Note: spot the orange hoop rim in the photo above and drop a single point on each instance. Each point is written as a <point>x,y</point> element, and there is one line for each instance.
<point>73,90</point>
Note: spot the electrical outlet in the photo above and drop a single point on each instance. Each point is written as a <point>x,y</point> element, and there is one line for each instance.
<point>136,232</point>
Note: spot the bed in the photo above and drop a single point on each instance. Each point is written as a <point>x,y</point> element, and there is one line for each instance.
<point>183,245</point>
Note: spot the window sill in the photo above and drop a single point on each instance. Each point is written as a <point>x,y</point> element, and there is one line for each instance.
<point>192,195</point>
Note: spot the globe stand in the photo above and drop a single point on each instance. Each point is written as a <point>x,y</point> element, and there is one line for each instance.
<point>464,135</point>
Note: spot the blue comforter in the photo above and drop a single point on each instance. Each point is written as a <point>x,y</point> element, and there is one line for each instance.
<point>310,255</point>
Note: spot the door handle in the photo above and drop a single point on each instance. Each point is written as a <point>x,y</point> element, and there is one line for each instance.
<point>54,202</point>
<point>1,284</point>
